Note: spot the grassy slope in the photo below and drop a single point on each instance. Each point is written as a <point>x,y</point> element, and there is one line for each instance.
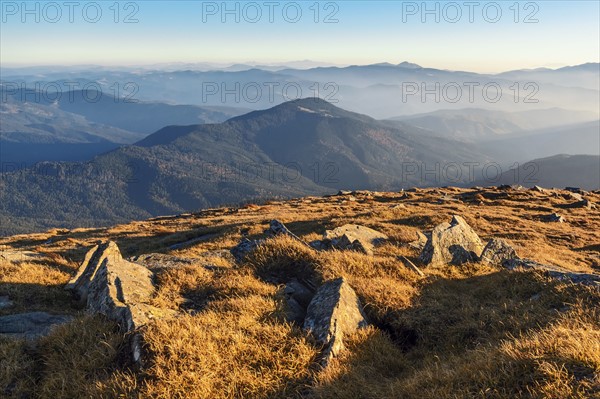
<point>472,331</point>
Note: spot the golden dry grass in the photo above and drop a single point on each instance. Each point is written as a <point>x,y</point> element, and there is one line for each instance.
<point>459,332</point>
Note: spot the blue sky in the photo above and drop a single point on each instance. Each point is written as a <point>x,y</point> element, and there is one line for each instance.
<point>556,33</point>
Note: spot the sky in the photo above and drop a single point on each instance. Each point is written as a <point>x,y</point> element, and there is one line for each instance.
<point>480,36</point>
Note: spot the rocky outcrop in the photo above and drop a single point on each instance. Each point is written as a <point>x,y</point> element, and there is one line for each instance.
<point>455,242</point>
<point>554,271</point>
<point>334,313</point>
<point>30,325</point>
<point>354,237</point>
<point>117,289</point>
<point>80,283</point>
<point>498,251</point>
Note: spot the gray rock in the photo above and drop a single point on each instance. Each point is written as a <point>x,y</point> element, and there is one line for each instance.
<point>573,196</point>
<point>497,251</point>
<point>553,218</point>
<point>538,189</point>
<point>299,292</point>
<point>30,325</point>
<point>334,313</point>
<point>354,237</point>
<point>117,289</point>
<point>554,271</point>
<point>455,242</point>
<point>576,190</point>
<point>294,312</point>
<point>19,256</point>
<point>80,283</point>
<point>420,242</point>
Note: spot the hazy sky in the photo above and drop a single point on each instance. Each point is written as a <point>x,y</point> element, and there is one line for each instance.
<point>468,35</point>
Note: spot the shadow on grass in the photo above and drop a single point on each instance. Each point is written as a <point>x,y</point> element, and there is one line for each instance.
<point>454,326</point>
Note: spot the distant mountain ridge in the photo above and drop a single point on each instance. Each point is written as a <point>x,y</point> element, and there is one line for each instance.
<point>299,148</point>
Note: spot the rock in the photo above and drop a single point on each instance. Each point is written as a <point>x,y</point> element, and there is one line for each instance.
<point>19,256</point>
<point>5,302</point>
<point>121,291</point>
<point>552,218</point>
<point>538,189</point>
<point>277,228</point>
<point>455,242</point>
<point>298,297</point>
<point>573,196</point>
<point>294,312</point>
<point>554,271</point>
<point>420,242</point>
<point>245,246</point>
<point>298,291</point>
<point>334,313</point>
<point>79,284</point>
<point>118,289</point>
<point>497,251</point>
<point>576,190</point>
<point>30,325</point>
<point>344,192</point>
<point>354,237</point>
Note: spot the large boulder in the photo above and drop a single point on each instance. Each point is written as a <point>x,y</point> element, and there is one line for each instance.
<point>117,289</point>
<point>334,313</point>
<point>354,237</point>
<point>80,283</point>
<point>30,325</point>
<point>455,242</point>
<point>497,251</point>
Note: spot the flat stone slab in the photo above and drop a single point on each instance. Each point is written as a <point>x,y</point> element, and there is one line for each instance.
<point>554,271</point>
<point>19,256</point>
<point>30,325</point>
